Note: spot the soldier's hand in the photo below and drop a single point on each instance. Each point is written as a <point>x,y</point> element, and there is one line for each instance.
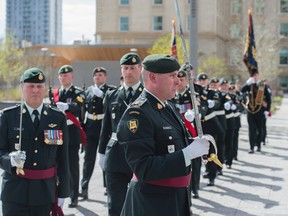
<point>97,91</point>
<point>101,160</point>
<point>17,158</point>
<point>227,106</point>
<point>60,202</point>
<point>233,107</point>
<point>266,114</point>
<point>250,81</point>
<point>189,115</point>
<point>197,148</point>
<point>62,106</point>
<point>211,103</point>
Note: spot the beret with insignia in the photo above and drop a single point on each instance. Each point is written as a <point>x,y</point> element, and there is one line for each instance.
<point>33,75</point>
<point>160,63</point>
<point>231,88</point>
<point>181,74</point>
<point>65,69</point>
<point>130,59</point>
<point>99,69</point>
<point>214,80</point>
<point>202,76</point>
<point>224,81</point>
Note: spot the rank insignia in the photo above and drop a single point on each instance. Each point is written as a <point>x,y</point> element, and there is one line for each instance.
<point>159,106</point>
<point>133,60</point>
<point>133,125</point>
<point>52,125</point>
<point>80,99</point>
<point>53,137</point>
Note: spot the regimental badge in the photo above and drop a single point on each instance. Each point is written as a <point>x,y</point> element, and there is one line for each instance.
<point>98,69</point>
<point>171,148</point>
<point>53,137</point>
<point>45,112</point>
<point>17,146</point>
<point>40,77</point>
<point>24,110</point>
<point>133,60</point>
<point>66,70</point>
<point>80,99</point>
<point>133,125</point>
<point>159,106</point>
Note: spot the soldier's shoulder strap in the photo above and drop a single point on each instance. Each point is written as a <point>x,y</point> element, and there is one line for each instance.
<point>138,102</point>
<point>10,108</point>
<point>56,109</point>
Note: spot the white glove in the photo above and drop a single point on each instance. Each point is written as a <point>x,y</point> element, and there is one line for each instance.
<point>97,91</point>
<point>189,115</point>
<point>102,160</point>
<point>233,107</point>
<point>60,202</point>
<point>62,106</point>
<point>227,106</point>
<point>197,148</point>
<point>266,114</point>
<point>211,103</point>
<point>17,158</point>
<point>250,81</point>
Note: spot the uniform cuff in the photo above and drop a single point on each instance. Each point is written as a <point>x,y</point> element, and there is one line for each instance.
<point>186,158</point>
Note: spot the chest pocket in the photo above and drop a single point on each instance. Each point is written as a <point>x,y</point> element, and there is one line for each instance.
<point>168,141</point>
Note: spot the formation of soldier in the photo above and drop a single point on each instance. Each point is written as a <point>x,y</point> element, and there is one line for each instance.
<point>137,131</point>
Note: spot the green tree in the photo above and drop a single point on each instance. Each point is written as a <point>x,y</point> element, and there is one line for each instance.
<point>163,46</point>
<point>12,62</point>
<point>213,66</point>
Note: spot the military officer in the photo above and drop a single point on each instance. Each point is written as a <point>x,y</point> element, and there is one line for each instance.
<point>92,123</point>
<point>33,154</point>
<point>69,99</point>
<point>156,145</point>
<point>111,158</point>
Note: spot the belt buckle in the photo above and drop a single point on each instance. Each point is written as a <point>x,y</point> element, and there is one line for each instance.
<point>94,117</point>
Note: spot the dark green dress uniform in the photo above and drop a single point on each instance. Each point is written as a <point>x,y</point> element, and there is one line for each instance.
<point>153,138</point>
<point>92,126</point>
<point>74,96</point>
<point>117,171</point>
<point>46,148</point>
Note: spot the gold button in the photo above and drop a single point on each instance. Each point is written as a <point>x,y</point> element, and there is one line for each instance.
<point>17,136</point>
<point>35,151</point>
<point>36,138</point>
<point>170,137</point>
<point>34,164</point>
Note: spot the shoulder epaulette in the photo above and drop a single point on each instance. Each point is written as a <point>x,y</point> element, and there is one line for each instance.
<point>54,108</point>
<point>10,108</point>
<point>139,102</point>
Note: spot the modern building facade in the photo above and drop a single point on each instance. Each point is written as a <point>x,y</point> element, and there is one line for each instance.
<point>222,28</point>
<point>34,22</point>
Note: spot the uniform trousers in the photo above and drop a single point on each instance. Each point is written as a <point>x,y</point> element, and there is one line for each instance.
<point>117,185</point>
<point>89,160</point>
<point>256,123</point>
<point>13,209</point>
<point>74,171</point>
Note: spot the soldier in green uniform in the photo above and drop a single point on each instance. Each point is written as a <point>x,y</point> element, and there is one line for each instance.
<point>36,163</point>
<point>156,145</point>
<point>111,158</point>
<point>92,123</point>
<point>69,99</point>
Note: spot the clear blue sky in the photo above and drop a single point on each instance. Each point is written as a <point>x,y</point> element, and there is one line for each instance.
<point>78,20</point>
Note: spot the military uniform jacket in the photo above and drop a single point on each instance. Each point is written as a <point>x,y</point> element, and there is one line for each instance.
<point>39,156</point>
<point>94,106</point>
<point>114,107</point>
<point>153,141</point>
<point>74,97</point>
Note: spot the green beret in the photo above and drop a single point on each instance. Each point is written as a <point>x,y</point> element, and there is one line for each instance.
<point>214,80</point>
<point>99,69</point>
<point>231,88</point>
<point>181,74</point>
<point>160,63</point>
<point>65,69</point>
<point>202,76</point>
<point>224,81</point>
<point>130,59</point>
<point>33,75</point>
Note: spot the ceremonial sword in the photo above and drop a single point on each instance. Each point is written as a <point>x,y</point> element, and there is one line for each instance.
<point>213,157</point>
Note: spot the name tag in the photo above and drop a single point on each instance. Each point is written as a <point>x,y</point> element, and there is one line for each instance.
<point>167,127</point>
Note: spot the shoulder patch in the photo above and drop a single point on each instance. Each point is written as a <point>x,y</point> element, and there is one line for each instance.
<point>11,108</point>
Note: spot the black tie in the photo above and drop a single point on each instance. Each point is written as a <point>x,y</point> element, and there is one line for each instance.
<point>36,119</point>
<point>63,92</point>
<point>130,95</point>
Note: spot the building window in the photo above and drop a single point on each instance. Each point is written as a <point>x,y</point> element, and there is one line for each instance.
<point>157,2</point>
<point>124,2</point>
<point>284,29</point>
<point>157,23</point>
<point>124,23</point>
<point>260,6</point>
<point>283,56</point>
<point>236,6</point>
<point>284,6</point>
<point>235,30</point>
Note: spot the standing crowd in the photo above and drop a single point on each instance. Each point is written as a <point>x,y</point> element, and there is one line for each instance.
<point>144,133</point>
